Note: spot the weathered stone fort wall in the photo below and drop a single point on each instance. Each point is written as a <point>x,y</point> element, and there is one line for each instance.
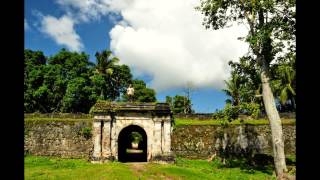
<point>72,138</point>
<point>202,141</point>
<point>68,138</point>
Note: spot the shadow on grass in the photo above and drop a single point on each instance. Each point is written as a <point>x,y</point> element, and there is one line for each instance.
<point>244,151</point>
<point>259,162</point>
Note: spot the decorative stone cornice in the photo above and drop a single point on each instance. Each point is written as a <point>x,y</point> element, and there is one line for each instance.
<point>107,107</point>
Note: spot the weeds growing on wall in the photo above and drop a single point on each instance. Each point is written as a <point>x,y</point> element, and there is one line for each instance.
<point>86,132</point>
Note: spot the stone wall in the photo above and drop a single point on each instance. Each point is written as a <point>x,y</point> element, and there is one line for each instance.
<point>66,139</point>
<point>69,139</point>
<point>199,141</point>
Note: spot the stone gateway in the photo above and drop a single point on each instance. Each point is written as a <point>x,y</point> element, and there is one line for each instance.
<point>114,124</point>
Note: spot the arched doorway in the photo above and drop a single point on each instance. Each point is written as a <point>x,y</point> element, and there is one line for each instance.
<point>132,144</point>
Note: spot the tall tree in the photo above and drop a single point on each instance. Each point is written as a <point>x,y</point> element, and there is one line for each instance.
<point>188,90</point>
<point>119,81</point>
<point>104,68</point>
<point>270,24</point>
<point>34,63</point>
<point>179,104</point>
<point>169,100</point>
<point>65,69</point>
<point>69,82</point>
<point>233,89</point>
<point>50,83</point>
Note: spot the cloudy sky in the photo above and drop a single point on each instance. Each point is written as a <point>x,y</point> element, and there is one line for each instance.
<point>163,41</point>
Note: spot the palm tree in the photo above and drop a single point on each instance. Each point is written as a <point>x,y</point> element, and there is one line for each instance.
<point>284,84</point>
<point>104,67</point>
<point>233,89</point>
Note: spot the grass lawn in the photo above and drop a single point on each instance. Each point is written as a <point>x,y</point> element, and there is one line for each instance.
<point>183,122</point>
<point>57,168</point>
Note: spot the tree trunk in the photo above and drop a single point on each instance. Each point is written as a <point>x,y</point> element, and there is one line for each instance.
<point>275,123</point>
<point>293,103</point>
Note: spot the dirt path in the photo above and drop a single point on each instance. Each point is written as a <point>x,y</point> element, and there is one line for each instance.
<point>137,168</point>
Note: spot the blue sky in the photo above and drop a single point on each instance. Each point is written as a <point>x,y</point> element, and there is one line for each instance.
<point>98,29</point>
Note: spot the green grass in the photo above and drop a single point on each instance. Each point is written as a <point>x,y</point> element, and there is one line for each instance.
<point>184,122</point>
<point>55,168</point>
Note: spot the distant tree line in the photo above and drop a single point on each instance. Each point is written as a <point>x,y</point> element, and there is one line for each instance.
<point>69,82</point>
<point>180,104</point>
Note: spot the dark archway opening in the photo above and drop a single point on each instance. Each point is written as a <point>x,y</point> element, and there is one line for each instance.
<point>132,144</point>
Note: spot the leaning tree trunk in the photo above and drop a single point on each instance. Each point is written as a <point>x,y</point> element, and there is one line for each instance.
<point>275,123</point>
<point>293,103</point>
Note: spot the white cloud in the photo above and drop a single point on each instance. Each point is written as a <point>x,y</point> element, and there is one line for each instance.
<point>85,10</point>
<point>162,38</point>
<point>61,31</point>
<point>26,25</point>
<point>166,40</point>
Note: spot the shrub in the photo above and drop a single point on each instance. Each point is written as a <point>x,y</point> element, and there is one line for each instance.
<point>86,132</point>
<point>251,109</point>
<point>231,112</point>
<point>228,113</point>
<point>219,114</point>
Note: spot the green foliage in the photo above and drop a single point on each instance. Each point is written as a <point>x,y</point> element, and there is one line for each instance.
<point>250,109</point>
<point>227,114</point>
<point>169,100</point>
<point>109,78</point>
<point>271,26</point>
<point>69,82</point>
<point>231,112</point>
<point>233,87</point>
<point>77,96</point>
<point>284,82</point>
<point>218,114</point>
<point>179,104</point>
<point>86,132</point>
<point>49,86</point>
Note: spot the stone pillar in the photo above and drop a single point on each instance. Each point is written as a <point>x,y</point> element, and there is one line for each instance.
<point>106,138</point>
<point>167,137</point>
<point>156,145</point>
<point>162,137</point>
<point>96,156</point>
<point>114,139</point>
